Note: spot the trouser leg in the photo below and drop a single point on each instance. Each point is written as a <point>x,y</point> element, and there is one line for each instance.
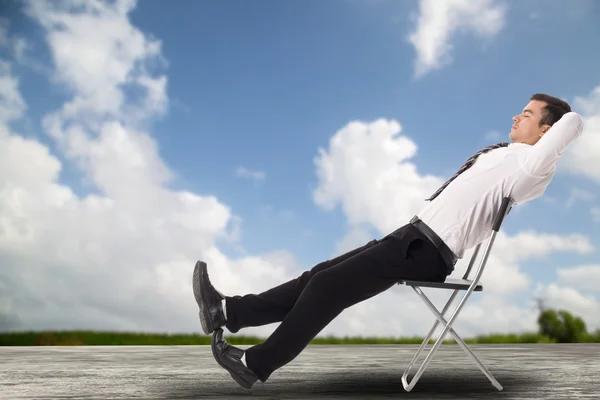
<point>332,290</point>
<point>274,304</point>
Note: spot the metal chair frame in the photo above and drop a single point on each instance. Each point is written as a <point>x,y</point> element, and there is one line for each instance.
<point>470,285</point>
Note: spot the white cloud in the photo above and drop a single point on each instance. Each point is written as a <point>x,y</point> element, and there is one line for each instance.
<point>120,258</point>
<point>549,199</point>
<point>243,172</point>
<point>494,136</point>
<point>355,237</point>
<point>12,105</point>
<point>595,212</point>
<point>584,277</point>
<point>19,47</point>
<point>503,274</point>
<point>96,52</point>
<point>579,194</point>
<point>569,298</point>
<point>4,39</point>
<point>17,44</point>
<point>440,21</point>
<point>583,156</point>
<point>367,171</point>
<point>531,244</point>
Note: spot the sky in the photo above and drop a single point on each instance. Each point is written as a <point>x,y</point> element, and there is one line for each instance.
<point>265,137</point>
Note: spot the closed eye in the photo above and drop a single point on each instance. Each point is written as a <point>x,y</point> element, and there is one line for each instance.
<point>527,113</point>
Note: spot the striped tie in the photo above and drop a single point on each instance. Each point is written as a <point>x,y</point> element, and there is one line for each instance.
<point>466,166</point>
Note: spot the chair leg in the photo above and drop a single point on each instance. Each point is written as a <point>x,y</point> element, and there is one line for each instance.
<point>447,329</point>
<point>460,342</point>
<point>430,334</point>
<point>409,386</point>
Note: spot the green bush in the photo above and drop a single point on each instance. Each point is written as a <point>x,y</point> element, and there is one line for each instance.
<point>562,326</point>
<point>85,338</point>
<point>554,327</point>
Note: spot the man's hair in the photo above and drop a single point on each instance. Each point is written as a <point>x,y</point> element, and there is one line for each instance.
<point>554,110</point>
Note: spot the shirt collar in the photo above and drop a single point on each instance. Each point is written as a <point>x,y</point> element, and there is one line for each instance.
<point>519,145</point>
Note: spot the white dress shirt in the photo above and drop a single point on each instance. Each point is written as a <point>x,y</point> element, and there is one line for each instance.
<point>463,214</point>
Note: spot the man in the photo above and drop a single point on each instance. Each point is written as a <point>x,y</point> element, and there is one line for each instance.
<point>459,216</point>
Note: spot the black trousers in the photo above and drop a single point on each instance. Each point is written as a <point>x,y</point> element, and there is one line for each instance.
<point>307,304</point>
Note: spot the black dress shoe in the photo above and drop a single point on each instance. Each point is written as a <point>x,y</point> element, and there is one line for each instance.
<point>230,358</point>
<point>209,300</point>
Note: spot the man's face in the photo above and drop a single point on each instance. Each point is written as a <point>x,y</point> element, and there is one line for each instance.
<point>526,126</point>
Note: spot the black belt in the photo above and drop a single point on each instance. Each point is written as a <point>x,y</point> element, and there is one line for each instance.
<point>444,250</point>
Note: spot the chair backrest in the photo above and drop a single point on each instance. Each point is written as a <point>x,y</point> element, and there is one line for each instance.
<point>505,208</point>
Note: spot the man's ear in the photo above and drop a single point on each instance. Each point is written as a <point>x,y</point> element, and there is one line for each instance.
<point>545,128</point>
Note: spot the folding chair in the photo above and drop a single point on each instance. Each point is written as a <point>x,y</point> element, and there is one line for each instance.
<point>456,285</point>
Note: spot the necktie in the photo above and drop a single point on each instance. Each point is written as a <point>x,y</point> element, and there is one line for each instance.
<point>466,166</point>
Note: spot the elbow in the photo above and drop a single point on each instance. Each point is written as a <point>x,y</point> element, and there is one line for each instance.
<point>573,119</point>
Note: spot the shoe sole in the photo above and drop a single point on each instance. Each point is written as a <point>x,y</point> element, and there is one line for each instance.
<point>200,274</point>
<point>241,381</point>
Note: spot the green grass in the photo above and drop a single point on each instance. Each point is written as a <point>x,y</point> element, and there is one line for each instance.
<point>95,338</point>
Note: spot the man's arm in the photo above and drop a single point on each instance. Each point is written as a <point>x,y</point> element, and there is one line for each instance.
<point>549,148</point>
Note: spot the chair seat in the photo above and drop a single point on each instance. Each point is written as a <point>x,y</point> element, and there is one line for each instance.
<point>450,283</point>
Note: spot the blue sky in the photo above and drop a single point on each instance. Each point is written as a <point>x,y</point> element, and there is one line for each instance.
<point>264,85</point>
